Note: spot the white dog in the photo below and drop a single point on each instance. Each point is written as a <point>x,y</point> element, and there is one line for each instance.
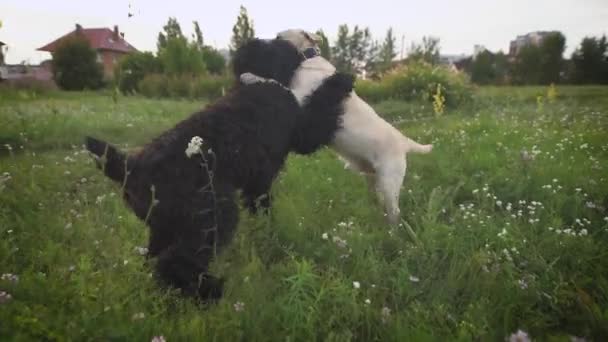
<point>366,142</point>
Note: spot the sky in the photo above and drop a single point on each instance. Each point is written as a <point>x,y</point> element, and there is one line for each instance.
<point>30,24</point>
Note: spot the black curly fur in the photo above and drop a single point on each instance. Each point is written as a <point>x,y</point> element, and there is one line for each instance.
<point>275,58</point>
<point>279,59</point>
<point>247,136</point>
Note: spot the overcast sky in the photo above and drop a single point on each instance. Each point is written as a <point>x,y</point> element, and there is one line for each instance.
<point>30,24</point>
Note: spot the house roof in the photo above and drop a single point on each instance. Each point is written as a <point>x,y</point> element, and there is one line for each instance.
<point>99,38</point>
<point>2,43</point>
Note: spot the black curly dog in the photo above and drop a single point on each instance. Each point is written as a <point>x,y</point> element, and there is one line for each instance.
<point>189,203</point>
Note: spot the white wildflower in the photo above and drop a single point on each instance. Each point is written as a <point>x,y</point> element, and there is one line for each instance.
<point>238,306</point>
<point>138,316</point>
<point>385,314</point>
<point>368,301</point>
<point>522,284</point>
<point>141,250</point>
<point>356,284</point>
<point>160,338</point>
<point>194,146</point>
<point>325,236</point>
<point>13,278</point>
<point>414,279</point>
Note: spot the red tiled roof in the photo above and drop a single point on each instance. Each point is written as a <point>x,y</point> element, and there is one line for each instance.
<point>99,38</point>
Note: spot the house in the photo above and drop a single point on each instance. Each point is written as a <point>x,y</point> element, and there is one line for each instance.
<point>109,44</point>
<point>532,38</point>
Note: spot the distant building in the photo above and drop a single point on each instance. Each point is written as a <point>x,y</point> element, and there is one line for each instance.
<point>12,72</point>
<point>452,61</point>
<point>109,44</point>
<point>532,38</point>
<point>477,49</point>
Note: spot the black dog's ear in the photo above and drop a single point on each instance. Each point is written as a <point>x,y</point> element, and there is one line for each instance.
<point>108,158</point>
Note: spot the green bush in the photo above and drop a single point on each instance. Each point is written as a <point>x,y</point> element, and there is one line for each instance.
<point>184,86</point>
<point>75,65</point>
<point>211,87</point>
<point>133,68</point>
<point>418,81</point>
<point>154,85</point>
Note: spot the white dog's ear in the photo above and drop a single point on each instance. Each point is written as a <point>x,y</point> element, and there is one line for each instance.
<point>313,37</point>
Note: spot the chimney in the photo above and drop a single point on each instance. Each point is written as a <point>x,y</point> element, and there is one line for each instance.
<point>116,34</point>
<point>78,28</point>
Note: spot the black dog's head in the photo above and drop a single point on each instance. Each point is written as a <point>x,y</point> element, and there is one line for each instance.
<point>277,59</point>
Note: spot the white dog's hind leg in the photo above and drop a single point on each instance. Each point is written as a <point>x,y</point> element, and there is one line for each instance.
<point>389,179</point>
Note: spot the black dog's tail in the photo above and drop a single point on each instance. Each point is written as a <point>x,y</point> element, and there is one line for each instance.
<point>322,113</point>
<point>108,158</point>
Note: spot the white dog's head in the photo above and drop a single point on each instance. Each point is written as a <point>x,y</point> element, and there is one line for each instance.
<point>300,39</point>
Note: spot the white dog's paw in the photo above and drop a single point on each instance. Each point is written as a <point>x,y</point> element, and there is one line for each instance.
<point>249,78</point>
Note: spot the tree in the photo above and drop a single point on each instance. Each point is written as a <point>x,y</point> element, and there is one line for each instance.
<point>340,50</point>
<point>179,57</point>
<point>552,50</point>
<point>489,68</point>
<point>590,61</point>
<point>354,52</point>
<point>133,68</point>
<point>387,51</point>
<point>526,68</point>
<point>214,61</point>
<point>540,63</point>
<point>75,65</point>
<point>427,51</point>
<point>372,61</point>
<point>324,45</point>
<point>197,36</point>
<point>242,30</point>
<point>172,30</point>
<point>360,43</point>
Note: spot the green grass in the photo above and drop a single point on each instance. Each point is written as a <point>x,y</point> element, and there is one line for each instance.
<point>491,243</point>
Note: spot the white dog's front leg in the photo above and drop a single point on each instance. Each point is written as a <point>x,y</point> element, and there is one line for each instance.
<point>249,78</point>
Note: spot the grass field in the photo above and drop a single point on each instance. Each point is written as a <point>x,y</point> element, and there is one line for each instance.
<point>505,228</point>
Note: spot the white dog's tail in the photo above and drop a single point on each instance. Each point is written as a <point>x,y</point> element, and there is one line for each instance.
<point>412,146</point>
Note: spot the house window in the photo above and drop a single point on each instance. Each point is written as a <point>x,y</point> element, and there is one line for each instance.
<point>99,59</point>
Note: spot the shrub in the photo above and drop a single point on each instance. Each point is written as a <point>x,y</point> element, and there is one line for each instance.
<point>372,91</point>
<point>133,68</point>
<point>418,81</point>
<point>154,85</point>
<point>211,87</point>
<point>184,86</point>
<point>75,65</point>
